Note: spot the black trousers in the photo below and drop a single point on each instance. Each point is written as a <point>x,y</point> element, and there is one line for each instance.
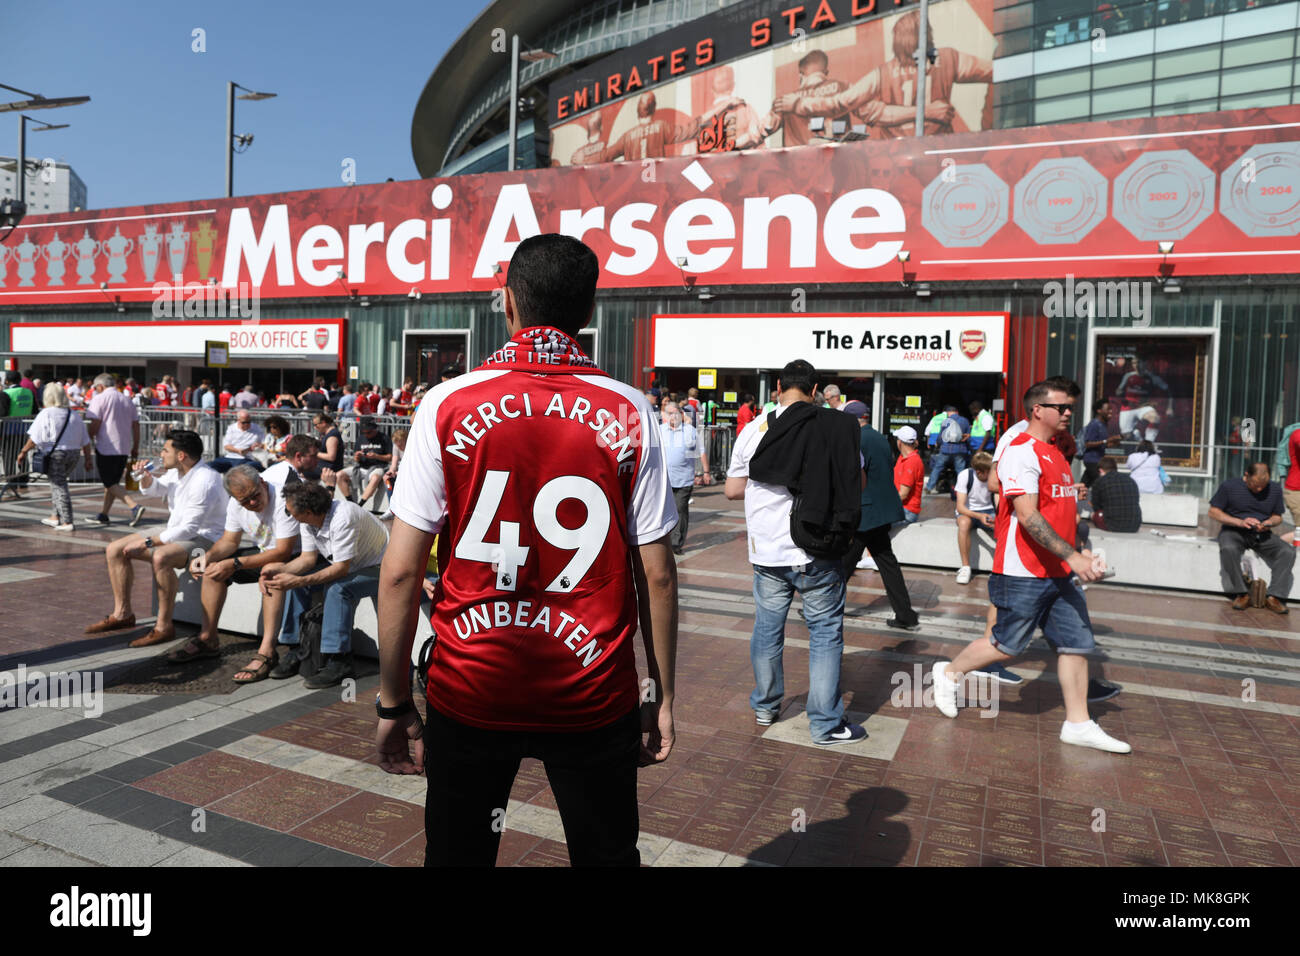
<point>471,770</point>
<point>882,552</point>
<point>1279,555</point>
<point>682,498</point>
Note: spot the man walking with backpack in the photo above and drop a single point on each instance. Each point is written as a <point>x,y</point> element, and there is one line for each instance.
<point>954,438</point>
<point>799,471</point>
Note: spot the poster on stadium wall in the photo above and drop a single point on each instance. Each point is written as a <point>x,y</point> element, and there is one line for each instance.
<point>857,79</point>
<point>1158,389</point>
<point>1047,204</point>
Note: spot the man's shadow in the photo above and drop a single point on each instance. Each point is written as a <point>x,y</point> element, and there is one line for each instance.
<point>865,836</point>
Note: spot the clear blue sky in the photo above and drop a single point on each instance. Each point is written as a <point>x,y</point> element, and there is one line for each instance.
<point>347,75</point>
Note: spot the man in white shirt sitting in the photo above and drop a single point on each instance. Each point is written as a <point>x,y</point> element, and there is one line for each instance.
<point>197,503</point>
<point>975,508</point>
<point>241,440</point>
<point>352,541</point>
<point>299,463</point>
<point>256,508</point>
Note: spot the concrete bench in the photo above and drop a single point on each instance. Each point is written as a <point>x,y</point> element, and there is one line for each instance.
<point>1183,511</point>
<point>242,614</point>
<point>1142,559</point>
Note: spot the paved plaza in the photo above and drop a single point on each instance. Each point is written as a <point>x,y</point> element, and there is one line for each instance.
<point>184,768</point>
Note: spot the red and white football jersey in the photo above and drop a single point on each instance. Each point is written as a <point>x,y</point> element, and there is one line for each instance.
<point>1029,467</point>
<point>539,483</point>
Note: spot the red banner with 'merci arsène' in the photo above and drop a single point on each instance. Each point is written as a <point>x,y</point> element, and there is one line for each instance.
<point>1091,199</point>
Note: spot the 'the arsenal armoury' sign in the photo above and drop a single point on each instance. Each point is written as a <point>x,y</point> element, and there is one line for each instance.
<point>1092,199</point>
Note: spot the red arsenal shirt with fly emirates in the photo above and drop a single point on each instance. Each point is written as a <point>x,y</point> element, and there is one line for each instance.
<point>1031,467</point>
<point>540,473</point>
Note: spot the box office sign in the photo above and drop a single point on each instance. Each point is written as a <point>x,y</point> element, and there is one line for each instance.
<point>1091,199</point>
<point>304,338</point>
<point>909,342</point>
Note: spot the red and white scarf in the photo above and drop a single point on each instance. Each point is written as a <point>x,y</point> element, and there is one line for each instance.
<point>542,349</point>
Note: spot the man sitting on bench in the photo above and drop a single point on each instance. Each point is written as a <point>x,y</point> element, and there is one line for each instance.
<point>256,508</point>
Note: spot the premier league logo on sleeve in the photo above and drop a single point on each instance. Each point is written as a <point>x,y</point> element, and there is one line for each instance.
<point>973,343</point>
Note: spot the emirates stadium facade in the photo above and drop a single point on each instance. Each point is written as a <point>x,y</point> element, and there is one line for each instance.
<point>1106,191</point>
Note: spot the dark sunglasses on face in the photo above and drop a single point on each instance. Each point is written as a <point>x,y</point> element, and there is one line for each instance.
<point>1062,408</point>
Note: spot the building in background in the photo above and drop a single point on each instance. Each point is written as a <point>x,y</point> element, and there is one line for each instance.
<point>51,186</point>
<point>1149,255</point>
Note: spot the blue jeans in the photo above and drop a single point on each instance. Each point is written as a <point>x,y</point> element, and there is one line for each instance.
<point>1026,604</point>
<point>822,586</point>
<point>341,598</point>
<point>939,460</point>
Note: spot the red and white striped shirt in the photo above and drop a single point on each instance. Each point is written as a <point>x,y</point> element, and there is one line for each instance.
<point>1031,467</point>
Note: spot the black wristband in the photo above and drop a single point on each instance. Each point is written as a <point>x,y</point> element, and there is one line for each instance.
<point>392,713</point>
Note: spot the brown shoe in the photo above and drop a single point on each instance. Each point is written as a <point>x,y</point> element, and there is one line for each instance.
<point>154,637</point>
<point>1241,602</point>
<point>111,623</point>
<point>1276,606</point>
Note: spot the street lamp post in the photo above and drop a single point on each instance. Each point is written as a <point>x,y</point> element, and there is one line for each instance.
<point>22,150</point>
<point>230,129</point>
<point>530,56</point>
<point>34,101</point>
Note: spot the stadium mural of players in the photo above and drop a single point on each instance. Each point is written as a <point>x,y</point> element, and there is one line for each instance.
<point>860,77</point>
<point>1156,387</point>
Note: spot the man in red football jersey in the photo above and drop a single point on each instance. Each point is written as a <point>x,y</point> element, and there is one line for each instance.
<point>1035,556</point>
<point>545,482</point>
<point>591,151</point>
<point>403,399</point>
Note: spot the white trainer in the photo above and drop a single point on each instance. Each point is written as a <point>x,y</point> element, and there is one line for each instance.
<point>65,527</point>
<point>1090,736</point>
<point>52,522</point>
<point>945,690</point>
<point>867,563</point>
<point>963,575</point>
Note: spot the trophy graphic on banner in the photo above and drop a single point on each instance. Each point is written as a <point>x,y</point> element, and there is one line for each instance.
<point>150,245</point>
<point>56,250</point>
<point>178,248</point>
<point>4,254</point>
<point>84,251</point>
<point>25,254</point>
<point>118,248</point>
<point>205,239</point>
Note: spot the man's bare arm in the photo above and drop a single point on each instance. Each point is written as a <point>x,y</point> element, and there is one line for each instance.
<point>1032,520</point>
<point>655,574</point>
<point>734,489</point>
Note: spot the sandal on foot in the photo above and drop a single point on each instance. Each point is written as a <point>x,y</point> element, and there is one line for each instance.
<point>260,672</point>
<point>194,650</point>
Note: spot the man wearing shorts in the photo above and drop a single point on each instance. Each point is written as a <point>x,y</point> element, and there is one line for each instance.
<point>115,428</point>
<point>197,505</point>
<point>1030,584</point>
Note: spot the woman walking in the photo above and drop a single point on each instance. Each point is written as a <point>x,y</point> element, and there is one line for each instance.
<point>59,433</point>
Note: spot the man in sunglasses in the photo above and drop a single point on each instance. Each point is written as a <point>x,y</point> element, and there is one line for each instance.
<point>256,509</point>
<point>1030,584</point>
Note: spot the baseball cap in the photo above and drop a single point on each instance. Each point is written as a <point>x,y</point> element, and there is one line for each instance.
<point>906,434</point>
<point>856,408</point>
<point>950,408</point>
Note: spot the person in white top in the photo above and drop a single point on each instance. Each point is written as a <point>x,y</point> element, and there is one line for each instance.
<point>198,510</point>
<point>781,568</point>
<point>256,508</point>
<point>59,433</point>
<point>353,542</point>
<point>974,507</point>
<point>1144,468</point>
<point>242,438</point>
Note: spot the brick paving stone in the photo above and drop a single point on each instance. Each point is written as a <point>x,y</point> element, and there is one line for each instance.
<point>206,779</point>
<point>284,800</point>
<point>366,825</point>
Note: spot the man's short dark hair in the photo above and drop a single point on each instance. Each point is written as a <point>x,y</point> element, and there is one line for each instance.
<point>1037,392</point>
<point>1254,467</point>
<point>300,445</point>
<point>1108,464</point>
<point>310,497</point>
<point>186,441</point>
<point>1099,404</point>
<point>12,377</point>
<point>799,374</point>
<point>553,278</point>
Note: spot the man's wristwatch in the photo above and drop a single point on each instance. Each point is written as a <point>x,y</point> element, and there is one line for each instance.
<point>238,566</point>
<point>392,713</point>
<point>148,543</point>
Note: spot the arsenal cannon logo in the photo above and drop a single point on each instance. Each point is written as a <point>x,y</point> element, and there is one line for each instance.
<point>973,343</point>
<point>323,338</point>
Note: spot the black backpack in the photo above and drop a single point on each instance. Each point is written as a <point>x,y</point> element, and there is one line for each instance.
<point>309,634</point>
<point>814,535</point>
